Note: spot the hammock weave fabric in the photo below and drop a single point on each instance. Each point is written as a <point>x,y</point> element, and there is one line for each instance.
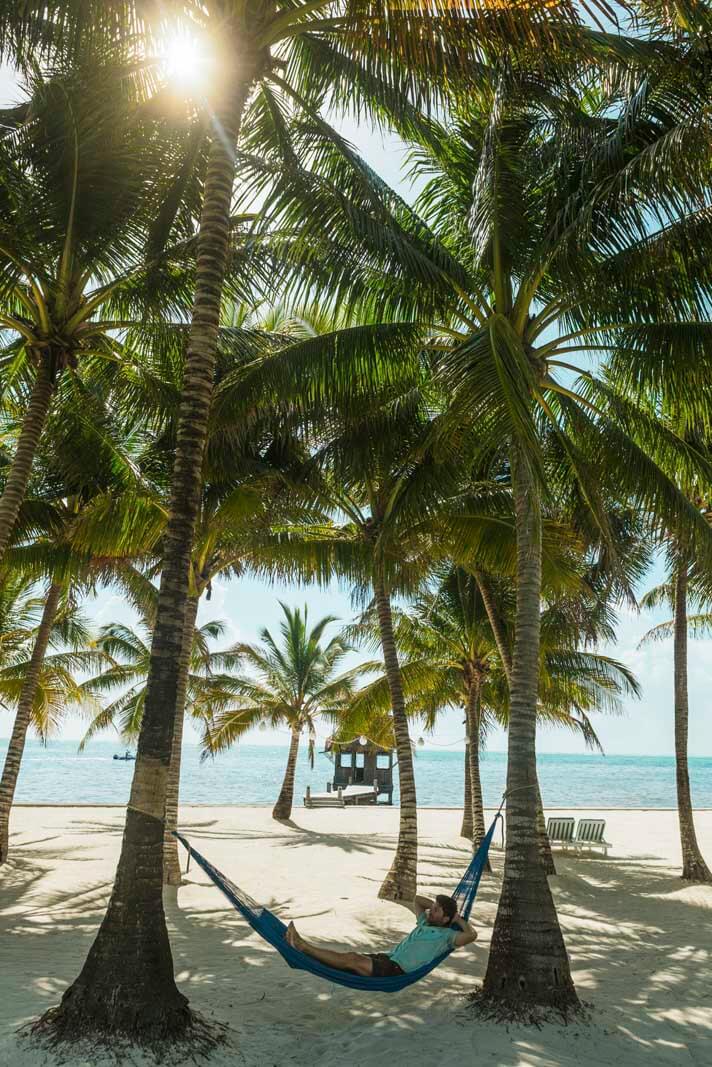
<point>272,929</point>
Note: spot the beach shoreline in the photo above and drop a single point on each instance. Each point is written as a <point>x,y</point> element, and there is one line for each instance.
<point>640,940</point>
<point>248,776</point>
<point>301,807</point>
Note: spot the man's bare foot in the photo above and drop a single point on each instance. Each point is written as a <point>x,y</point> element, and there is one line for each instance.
<point>292,937</point>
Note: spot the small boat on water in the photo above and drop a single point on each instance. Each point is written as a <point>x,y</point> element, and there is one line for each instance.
<point>126,756</point>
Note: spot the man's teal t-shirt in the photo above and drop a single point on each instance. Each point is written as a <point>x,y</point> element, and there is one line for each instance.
<point>422,945</point>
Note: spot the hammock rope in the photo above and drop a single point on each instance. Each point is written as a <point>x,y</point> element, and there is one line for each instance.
<point>268,926</point>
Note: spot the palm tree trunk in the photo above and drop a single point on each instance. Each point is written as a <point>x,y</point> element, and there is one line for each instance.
<point>283,807</point>
<point>171,859</point>
<point>13,758</point>
<point>528,964</point>
<point>547,856</point>
<point>694,868</point>
<point>466,827</point>
<point>21,466</point>
<point>500,638</point>
<point>473,732</point>
<point>495,623</point>
<point>400,882</point>
<point>126,986</point>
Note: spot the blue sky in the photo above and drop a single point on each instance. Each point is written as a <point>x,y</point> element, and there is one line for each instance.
<point>645,728</point>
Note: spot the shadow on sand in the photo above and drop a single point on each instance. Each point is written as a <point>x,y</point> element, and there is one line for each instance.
<point>639,939</point>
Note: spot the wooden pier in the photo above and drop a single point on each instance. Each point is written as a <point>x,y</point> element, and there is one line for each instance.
<point>340,797</point>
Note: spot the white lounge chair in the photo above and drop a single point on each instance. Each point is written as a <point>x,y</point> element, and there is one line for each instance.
<point>560,831</point>
<point>589,834</point>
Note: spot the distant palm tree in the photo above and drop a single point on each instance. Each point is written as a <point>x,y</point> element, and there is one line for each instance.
<point>126,652</point>
<point>83,456</point>
<point>674,594</point>
<point>40,688</point>
<point>207,688</point>
<point>448,657</point>
<point>450,660</point>
<point>296,683</point>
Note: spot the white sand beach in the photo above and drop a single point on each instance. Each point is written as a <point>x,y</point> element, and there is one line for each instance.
<point>640,940</point>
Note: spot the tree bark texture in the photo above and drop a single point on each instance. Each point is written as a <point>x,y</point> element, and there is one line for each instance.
<point>506,658</point>
<point>466,827</point>
<point>473,752</point>
<point>495,622</point>
<point>126,986</point>
<point>23,716</point>
<point>400,882</point>
<point>283,807</point>
<point>18,476</point>
<point>528,964</point>
<point>694,868</point>
<point>547,856</point>
<point>171,859</point>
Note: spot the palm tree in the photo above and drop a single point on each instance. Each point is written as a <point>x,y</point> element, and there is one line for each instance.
<point>577,618</point>
<point>295,684</point>
<point>40,688</point>
<point>246,491</point>
<point>364,457</point>
<point>341,54</point>
<point>674,594</point>
<point>126,654</point>
<point>450,660</point>
<point>209,688</point>
<point>369,402</point>
<point>369,472</point>
<point>79,176</point>
<point>82,457</point>
<point>527,249</point>
<point>447,658</point>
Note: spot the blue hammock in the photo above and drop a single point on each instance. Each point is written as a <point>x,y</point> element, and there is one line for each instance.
<point>273,929</point>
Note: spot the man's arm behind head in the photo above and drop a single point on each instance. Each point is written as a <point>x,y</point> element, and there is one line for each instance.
<point>421,904</point>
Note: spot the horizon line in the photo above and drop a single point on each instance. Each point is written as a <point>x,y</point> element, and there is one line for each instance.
<point>424,748</point>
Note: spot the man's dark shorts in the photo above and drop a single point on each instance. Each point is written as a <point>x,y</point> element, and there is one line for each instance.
<point>383,966</point>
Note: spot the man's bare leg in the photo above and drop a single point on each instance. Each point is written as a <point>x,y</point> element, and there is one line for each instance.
<point>343,961</point>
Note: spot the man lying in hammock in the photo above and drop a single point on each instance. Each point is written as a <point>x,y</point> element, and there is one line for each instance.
<point>430,937</point>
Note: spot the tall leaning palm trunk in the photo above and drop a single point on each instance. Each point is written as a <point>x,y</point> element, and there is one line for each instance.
<point>171,859</point>
<point>466,826</point>
<point>16,747</point>
<point>126,986</point>
<point>474,696</point>
<point>694,868</point>
<point>18,476</point>
<point>400,882</point>
<point>283,807</point>
<point>528,963</point>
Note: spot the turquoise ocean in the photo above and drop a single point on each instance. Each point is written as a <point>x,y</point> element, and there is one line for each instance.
<point>252,774</point>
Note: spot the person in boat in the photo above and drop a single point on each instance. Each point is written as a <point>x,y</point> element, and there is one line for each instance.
<point>432,935</point>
